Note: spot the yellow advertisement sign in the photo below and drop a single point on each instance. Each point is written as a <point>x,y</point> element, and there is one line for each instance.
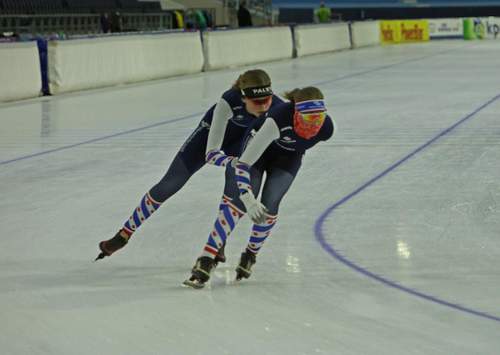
<point>404,31</point>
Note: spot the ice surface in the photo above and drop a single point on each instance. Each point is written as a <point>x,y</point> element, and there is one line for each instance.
<point>394,223</point>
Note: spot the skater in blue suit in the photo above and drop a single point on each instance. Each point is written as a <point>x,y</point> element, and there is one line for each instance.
<point>216,140</point>
<point>275,147</point>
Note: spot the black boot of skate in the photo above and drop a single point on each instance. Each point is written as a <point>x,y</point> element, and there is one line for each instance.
<point>244,269</point>
<point>220,257</point>
<point>201,272</point>
<point>108,247</point>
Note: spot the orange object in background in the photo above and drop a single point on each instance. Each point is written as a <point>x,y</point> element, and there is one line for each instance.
<point>403,31</point>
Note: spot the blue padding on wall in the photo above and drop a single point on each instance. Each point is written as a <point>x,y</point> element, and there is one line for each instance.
<point>43,53</point>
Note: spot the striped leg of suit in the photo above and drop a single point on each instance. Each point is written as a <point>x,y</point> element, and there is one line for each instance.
<point>146,208</point>
<point>226,221</point>
<point>260,232</point>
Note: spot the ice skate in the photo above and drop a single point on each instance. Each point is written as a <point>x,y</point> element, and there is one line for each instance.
<point>200,273</point>
<point>244,269</point>
<point>110,246</point>
<point>220,257</point>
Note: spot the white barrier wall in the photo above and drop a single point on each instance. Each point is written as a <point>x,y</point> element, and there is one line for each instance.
<point>246,46</point>
<point>312,39</point>
<point>91,63</point>
<point>491,27</point>
<point>446,28</point>
<point>20,75</point>
<point>366,33</point>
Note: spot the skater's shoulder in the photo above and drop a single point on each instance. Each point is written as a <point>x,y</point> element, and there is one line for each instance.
<point>232,96</point>
<point>281,113</point>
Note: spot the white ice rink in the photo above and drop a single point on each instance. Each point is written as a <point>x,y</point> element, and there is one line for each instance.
<point>387,243</point>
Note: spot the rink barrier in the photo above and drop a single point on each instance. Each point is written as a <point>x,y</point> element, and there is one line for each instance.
<point>232,48</point>
<point>446,28</point>
<point>87,63</point>
<point>92,63</point>
<point>481,28</point>
<point>314,39</point>
<point>20,75</point>
<point>365,33</point>
<point>404,31</point>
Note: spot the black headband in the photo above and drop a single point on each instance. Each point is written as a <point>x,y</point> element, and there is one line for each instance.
<point>258,91</point>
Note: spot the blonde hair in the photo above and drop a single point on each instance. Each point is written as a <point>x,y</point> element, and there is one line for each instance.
<point>252,78</point>
<point>304,94</point>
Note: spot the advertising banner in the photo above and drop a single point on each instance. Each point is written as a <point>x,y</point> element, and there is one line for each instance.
<point>446,28</point>
<point>404,31</point>
<point>481,28</point>
<point>491,26</point>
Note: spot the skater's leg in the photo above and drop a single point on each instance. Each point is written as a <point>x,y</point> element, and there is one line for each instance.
<point>176,177</point>
<point>229,213</point>
<point>227,219</point>
<point>188,161</point>
<point>278,181</point>
<point>260,232</point>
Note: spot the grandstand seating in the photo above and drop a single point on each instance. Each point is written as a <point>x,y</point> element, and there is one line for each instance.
<point>32,6</point>
<point>92,6</point>
<point>139,6</point>
<point>37,7</point>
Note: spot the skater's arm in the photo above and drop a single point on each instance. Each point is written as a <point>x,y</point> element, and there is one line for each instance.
<point>258,144</point>
<point>222,114</point>
<point>255,148</point>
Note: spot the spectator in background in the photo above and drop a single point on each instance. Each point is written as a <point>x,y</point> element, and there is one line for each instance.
<point>116,22</point>
<point>195,19</point>
<point>244,17</point>
<point>201,20</point>
<point>323,14</point>
<point>178,19</point>
<point>210,22</point>
<point>105,23</point>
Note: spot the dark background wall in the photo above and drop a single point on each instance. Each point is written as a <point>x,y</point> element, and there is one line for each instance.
<point>302,11</point>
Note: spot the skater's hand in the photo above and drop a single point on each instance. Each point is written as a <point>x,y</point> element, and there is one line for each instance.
<point>234,162</point>
<point>219,158</point>
<point>256,210</point>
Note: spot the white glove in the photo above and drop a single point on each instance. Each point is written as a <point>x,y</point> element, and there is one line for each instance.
<point>256,210</point>
<point>234,162</point>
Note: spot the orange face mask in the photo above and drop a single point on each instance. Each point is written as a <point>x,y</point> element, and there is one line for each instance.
<point>307,125</point>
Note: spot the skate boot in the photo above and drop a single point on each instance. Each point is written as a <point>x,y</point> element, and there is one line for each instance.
<point>244,269</point>
<point>200,273</point>
<point>220,257</point>
<point>108,247</point>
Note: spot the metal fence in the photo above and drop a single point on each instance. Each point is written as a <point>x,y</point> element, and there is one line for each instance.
<point>81,23</point>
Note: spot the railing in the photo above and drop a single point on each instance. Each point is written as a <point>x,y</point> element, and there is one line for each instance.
<point>81,23</point>
<point>260,8</point>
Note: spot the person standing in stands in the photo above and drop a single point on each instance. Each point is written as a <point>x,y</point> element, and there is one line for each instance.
<point>105,23</point>
<point>244,17</point>
<point>274,149</point>
<point>323,14</point>
<point>201,20</point>
<point>116,22</point>
<point>216,140</point>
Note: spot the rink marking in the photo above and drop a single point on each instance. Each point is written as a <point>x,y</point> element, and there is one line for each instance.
<point>320,237</point>
<point>319,83</point>
<point>387,66</point>
<point>165,122</point>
